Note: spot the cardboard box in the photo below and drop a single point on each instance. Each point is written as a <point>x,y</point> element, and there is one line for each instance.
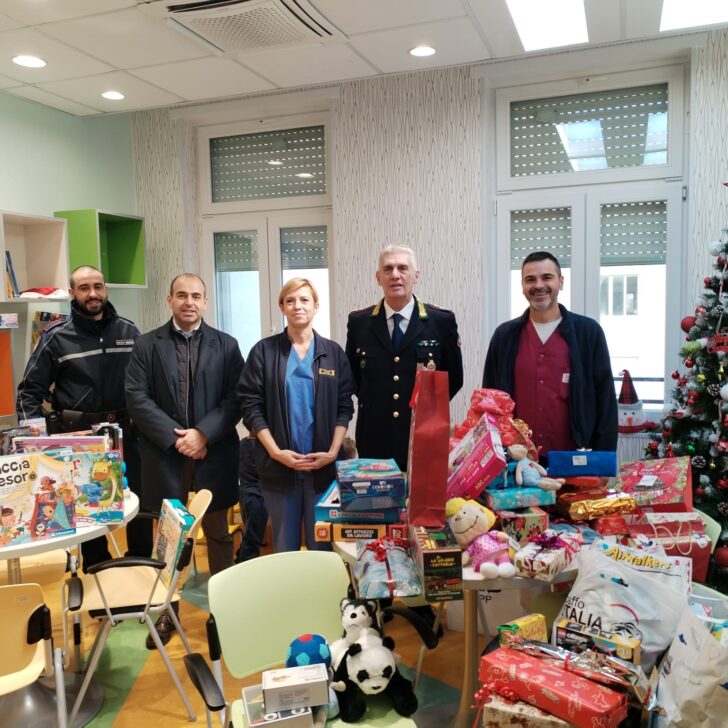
<point>524,522</point>
<point>476,460</point>
<point>577,638</point>
<point>439,562</point>
<point>174,525</point>
<point>366,484</point>
<point>257,715</point>
<point>528,627</point>
<point>542,562</point>
<point>325,531</point>
<point>660,485</point>
<point>329,508</point>
<point>289,688</point>
<point>89,443</point>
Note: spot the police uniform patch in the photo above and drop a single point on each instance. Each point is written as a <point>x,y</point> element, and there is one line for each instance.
<point>327,372</point>
<point>125,342</point>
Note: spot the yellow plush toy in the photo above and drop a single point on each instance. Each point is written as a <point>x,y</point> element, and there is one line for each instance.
<point>487,550</point>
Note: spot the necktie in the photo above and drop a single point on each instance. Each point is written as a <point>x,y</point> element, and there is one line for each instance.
<point>396,331</point>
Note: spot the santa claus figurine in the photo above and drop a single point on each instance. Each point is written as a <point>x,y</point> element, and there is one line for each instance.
<point>630,412</point>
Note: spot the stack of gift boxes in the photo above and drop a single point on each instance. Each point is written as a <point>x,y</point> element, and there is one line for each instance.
<point>49,485</point>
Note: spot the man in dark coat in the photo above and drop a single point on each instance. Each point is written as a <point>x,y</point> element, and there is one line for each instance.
<point>385,355</point>
<point>181,392</point>
<point>83,360</point>
<point>556,366</point>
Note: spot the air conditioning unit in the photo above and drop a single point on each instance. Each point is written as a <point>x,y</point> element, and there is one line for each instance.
<point>247,25</point>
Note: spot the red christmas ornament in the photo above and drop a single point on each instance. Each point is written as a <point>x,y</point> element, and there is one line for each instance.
<point>687,323</point>
<point>666,434</point>
<point>720,261</point>
<point>722,484</point>
<point>722,446</point>
<point>682,382</point>
<point>725,422</point>
<point>675,374</point>
<point>707,281</point>
<point>701,311</point>
<point>653,444</point>
<point>692,396</point>
<point>699,491</point>
<point>721,556</point>
<point>689,363</point>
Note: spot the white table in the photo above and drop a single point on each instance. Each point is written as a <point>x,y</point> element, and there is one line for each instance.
<point>14,552</point>
<point>36,704</point>
<point>462,715</point>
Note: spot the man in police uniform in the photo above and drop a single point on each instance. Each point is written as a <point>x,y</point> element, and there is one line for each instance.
<point>84,360</point>
<point>386,345</point>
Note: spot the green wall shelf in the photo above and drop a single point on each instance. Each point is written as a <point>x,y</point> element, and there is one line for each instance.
<point>112,242</point>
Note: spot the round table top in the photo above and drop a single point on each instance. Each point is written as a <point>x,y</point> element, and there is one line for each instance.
<point>83,533</point>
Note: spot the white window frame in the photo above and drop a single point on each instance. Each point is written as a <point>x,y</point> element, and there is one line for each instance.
<point>674,76</point>
<point>268,225</point>
<point>204,192</point>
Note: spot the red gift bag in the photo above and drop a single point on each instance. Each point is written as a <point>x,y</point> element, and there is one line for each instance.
<point>428,448</point>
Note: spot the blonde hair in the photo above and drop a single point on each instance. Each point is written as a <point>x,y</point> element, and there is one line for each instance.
<point>294,285</point>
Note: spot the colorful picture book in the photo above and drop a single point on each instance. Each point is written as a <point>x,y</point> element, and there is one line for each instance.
<point>37,499</point>
<point>8,320</point>
<point>174,525</point>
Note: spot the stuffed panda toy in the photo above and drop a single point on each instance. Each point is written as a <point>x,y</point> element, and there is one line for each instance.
<point>358,617</point>
<point>366,668</point>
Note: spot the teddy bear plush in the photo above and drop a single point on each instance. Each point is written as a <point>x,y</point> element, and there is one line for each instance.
<point>529,473</point>
<point>358,617</point>
<point>486,550</point>
<point>368,667</point>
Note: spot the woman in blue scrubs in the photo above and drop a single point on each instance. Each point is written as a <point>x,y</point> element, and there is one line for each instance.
<point>296,391</point>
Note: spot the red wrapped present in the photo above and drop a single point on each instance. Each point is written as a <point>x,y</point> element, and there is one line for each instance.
<point>593,482</point>
<point>611,525</point>
<point>663,485</point>
<point>577,700</point>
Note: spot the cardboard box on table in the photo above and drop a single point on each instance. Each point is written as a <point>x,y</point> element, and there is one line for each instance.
<point>553,689</point>
<point>366,484</point>
<point>476,460</point>
<point>439,562</point>
<point>329,509</point>
<point>37,498</point>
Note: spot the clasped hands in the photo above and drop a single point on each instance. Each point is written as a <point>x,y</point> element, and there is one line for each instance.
<point>191,443</point>
<point>305,463</point>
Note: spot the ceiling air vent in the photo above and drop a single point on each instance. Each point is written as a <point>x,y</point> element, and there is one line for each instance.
<point>248,25</point>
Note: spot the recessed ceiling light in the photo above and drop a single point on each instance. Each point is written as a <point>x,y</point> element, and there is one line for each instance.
<point>679,14</point>
<point>29,61</point>
<point>275,162</point>
<point>549,23</point>
<point>422,51</point>
<point>304,175</point>
<point>113,95</point>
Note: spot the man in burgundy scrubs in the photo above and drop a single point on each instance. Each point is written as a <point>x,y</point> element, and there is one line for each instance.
<point>555,364</point>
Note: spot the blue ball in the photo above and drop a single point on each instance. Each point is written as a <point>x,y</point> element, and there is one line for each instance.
<point>308,649</point>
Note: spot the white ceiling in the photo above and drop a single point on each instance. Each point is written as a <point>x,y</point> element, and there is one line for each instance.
<point>129,45</point>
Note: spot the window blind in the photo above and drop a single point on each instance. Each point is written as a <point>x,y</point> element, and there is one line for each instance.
<point>633,233</point>
<point>547,229</point>
<point>266,164</point>
<point>236,251</point>
<point>304,248</point>
<point>599,130</point>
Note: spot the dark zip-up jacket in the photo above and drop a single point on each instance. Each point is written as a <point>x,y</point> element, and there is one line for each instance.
<point>85,360</point>
<point>592,400</point>
<point>263,394</point>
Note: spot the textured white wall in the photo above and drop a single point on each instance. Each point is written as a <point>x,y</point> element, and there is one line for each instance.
<point>164,183</point>
<point>708,157</point>
<point>406,170</point>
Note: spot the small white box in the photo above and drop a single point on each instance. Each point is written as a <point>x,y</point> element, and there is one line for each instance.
<point>257,715</point>
<point>295,687</point>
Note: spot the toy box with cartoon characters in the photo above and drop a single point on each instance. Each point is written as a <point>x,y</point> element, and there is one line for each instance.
<point>97,479</point>
<point>37,499</point>
<point>173,527</point>
<point>366,484</point>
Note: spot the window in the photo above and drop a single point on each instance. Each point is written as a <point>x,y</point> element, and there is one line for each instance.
<point>264,192</point>
<point>618,296</point>
<point>591,131</point>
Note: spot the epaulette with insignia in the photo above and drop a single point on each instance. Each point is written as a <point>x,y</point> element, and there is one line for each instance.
<point>438,308</point>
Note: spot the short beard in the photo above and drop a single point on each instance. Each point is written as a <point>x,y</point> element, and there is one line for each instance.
<point>83,310</point>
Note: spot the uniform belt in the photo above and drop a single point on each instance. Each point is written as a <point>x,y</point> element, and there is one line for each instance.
<point>93,418</point>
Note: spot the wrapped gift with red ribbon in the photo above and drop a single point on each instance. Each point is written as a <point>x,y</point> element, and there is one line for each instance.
<point>554,689</point>
<point>546,555</point>
<point>385,568</point>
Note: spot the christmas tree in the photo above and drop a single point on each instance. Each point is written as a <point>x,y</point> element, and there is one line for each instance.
<point>697,423</point>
